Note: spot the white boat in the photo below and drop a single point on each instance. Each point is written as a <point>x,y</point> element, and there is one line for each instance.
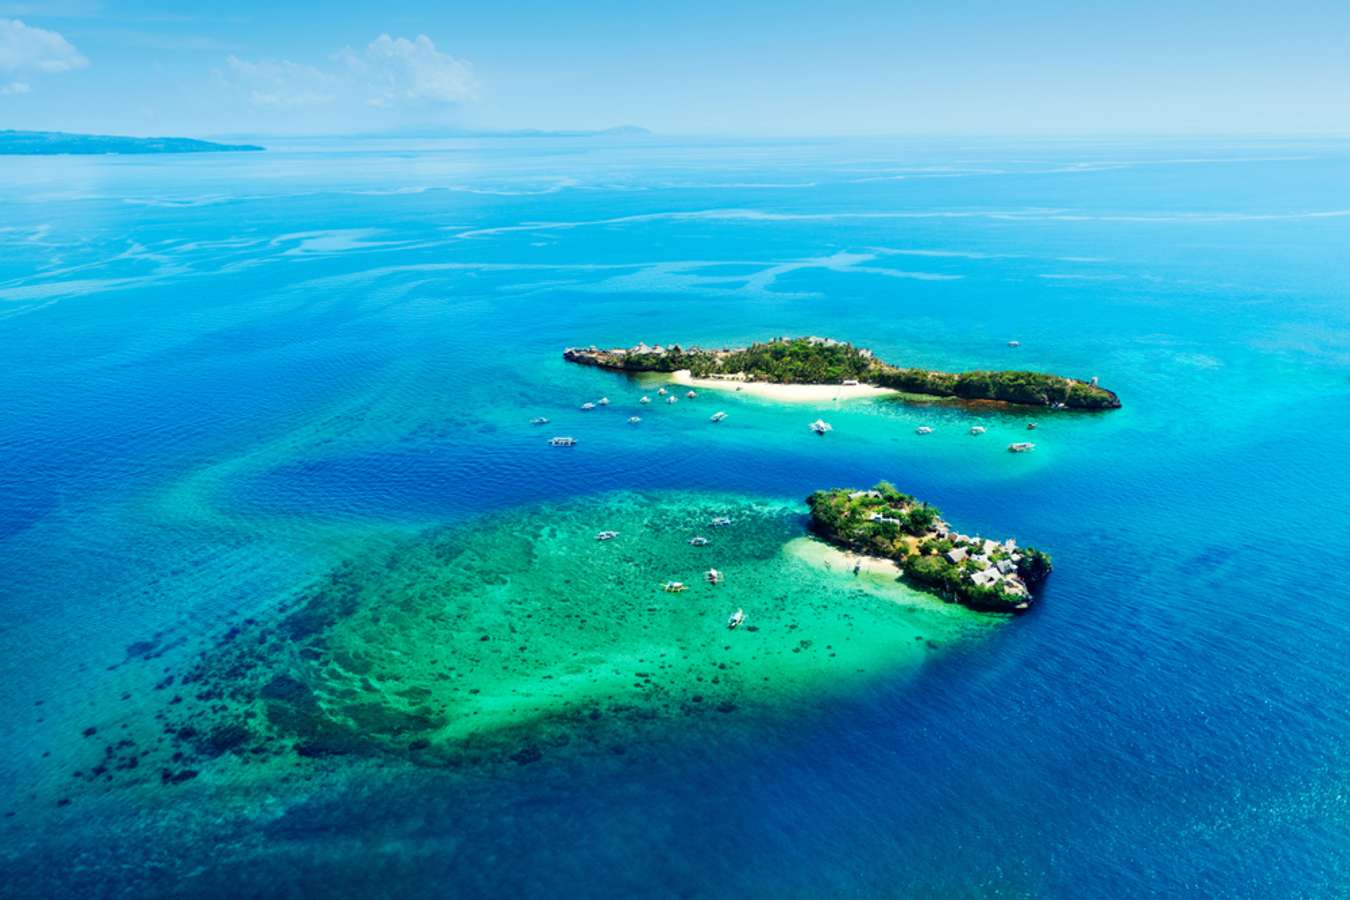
<point>674,587</point>
<point>661,391</point>
<point>645,400</point>
<point>698,541</point>
<point>820,426</point>
<point>719,521</point>
<point>977,429</point>
<point>672,400</point>
<point>850,382</point>
<point>603,401</point>
<point>539,420</point>
<point>714,576</point>
<point>736,619</point>
<point>1021,447</point>
<point>923,429</point>
<point>606,535</point>
<point>691,395</point>
<point>717,417</point>
<point>588,406</point>
<point>1014,343</point>
<point>633,420</point>
<point>563,441</point>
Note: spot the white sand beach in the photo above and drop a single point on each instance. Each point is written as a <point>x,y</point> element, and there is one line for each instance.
<point>783,393</point>
<point>819,553</point>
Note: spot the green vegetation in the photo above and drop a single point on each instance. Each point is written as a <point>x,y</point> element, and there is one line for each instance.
<point>973,571</point>
<point>824,361</point>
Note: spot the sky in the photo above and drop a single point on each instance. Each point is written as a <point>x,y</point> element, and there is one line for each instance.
<point>961,67</point>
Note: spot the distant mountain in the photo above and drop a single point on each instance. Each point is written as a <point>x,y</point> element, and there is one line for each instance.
<point>50,143</point>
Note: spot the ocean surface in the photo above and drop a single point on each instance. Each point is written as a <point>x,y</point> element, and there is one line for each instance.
<point>295,601</point>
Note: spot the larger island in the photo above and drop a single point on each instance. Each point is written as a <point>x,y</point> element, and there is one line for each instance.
<point>977,572</point>
<point>816,360</point>
<point>53,143</point>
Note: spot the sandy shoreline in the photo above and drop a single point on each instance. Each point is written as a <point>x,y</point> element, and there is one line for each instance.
<point>783,393</point>
<point>820,553</point>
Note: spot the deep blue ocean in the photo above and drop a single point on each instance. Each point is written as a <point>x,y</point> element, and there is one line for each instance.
<point>221,375</point>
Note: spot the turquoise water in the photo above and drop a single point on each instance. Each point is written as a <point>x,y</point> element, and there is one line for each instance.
<point>231,380</point>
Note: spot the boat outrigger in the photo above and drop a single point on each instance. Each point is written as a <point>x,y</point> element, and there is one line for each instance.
<point>717,417</point>
<point>736,619</point>
<point>1021,447</point>
<point>820,426</point>
<point>633,420</point>
<point>539,420</point>
<point>588,406</point>
<point>606,535</point>
<point>719,521</point>
<point>698,541</point>
<point>923,429</point>
<point>674,587</point>
<point>563,441</point>
<point>645,400</point>
<point>977,429</point>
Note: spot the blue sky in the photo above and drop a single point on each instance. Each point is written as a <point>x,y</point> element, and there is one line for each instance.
<point>787,67</point>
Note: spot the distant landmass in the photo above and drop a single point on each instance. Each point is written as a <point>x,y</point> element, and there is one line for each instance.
<point>51,143</point>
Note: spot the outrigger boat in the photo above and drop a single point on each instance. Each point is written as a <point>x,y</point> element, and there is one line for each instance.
<point>717,417</point>
<point>563,441</point>
<point>661,391</point>
<point>633,420</point>
<point>698,541</point>
<point>674,587</point>
<point>1021,447</point>
<point>714,576</point>
<point>977,429</point>
<point>923,429</point>
<point>736,619</point>
<point>719,521</point>
<point>691,395</point>
<point>603,401</point>
<point>820,426</point>
<point>1031,426</point>
<point>645,400</point>
<point>606,535</point>
<point>588,406</point>
<point>672,400</point>
<point>539,420</point>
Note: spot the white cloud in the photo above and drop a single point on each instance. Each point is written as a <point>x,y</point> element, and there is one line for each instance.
<point>15,87</point>
<point>390,72</point>
<point>398,70</point>
<point>23,47</point>
<point>281,82</point>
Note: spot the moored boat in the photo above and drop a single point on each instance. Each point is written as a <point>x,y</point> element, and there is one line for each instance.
<point>674,587</point>
<point>691,395</point>
<point>820,426</point>
<point>736,619</point>
<point>562,441</point>
<point>714,576</point>
<point>588,406</point>
<point>539,420</point>
<point>977,429</point>
<point>719,521</point>
<point>645,400</point>
<point>717,417</point>
<point>923,429</point>
<point>698,541</point>
<point>1021,447</point>
<point>603,401</point>
<point>606,535</point>
<point>633,420</point>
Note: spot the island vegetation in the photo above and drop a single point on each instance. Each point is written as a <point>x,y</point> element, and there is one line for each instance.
<point>977,572</point>
<point>52,143</point>
<point>815,360</point>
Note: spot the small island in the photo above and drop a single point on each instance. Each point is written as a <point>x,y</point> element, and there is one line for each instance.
<point>982,574</point>
<point>54,143</point>
<point>823,361</point>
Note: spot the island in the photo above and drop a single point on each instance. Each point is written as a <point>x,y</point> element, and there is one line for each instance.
<point>824,361</point>
<point>53,143</point>
<point>982,574</point>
